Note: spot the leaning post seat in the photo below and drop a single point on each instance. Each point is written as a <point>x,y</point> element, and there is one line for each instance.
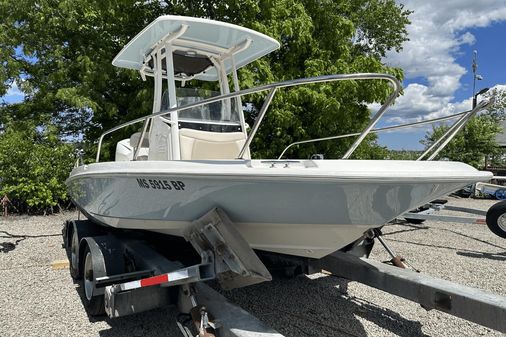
<point>125,148</point>
<point>198,145</point>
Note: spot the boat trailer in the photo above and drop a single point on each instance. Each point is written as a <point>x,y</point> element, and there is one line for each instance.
<point>494,217</point>
<point>123,275</point>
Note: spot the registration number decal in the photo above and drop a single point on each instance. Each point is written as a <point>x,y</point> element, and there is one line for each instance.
<point>159,184</point>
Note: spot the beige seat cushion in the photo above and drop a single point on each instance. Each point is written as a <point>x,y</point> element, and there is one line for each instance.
<point>196,144</point>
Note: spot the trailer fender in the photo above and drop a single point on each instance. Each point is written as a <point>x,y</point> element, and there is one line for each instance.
<point>65,233</point>
<point>107,256</point>
<point>81,228</point>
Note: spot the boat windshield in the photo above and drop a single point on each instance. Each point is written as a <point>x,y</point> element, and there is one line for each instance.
<point>221,112</point>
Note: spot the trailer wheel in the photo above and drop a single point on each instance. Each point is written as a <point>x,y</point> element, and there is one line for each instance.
<point>74,256</point>
<point>496,219</point>
<point>93,303</point>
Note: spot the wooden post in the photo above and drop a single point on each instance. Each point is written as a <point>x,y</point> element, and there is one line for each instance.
<point>5,202</point>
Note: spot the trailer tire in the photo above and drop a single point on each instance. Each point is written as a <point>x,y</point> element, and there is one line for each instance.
<point>74,256</point>
<point>496,219</point>
<point>94,303</point>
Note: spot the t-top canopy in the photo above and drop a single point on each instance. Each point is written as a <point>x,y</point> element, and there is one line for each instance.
<point>201,36</point>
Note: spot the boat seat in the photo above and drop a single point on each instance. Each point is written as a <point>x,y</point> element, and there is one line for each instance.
<point>134,140</point>
<point>197,144</point>
<point>125,150</point>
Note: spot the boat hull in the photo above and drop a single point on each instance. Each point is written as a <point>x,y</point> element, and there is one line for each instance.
<point>299,212</point>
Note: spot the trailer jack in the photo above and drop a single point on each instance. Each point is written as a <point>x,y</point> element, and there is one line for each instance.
<point>198,314</point>
<point>396,259</point>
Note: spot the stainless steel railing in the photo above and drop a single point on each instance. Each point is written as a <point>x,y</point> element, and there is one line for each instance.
<point>441,143</point>
<point>272,90</point>
<point>446,137</point>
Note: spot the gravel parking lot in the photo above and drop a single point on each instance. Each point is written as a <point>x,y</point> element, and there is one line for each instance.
<point>36,300</point>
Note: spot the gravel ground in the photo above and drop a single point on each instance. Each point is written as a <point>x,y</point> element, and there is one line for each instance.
<point>38,301</point>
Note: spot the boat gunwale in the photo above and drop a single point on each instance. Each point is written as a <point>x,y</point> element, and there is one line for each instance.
<point>286,175</point>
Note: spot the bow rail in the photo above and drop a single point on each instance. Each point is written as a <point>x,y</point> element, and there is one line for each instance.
<point>446,137</point>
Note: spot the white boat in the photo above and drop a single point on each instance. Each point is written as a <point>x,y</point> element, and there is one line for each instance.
<point>192,154</point>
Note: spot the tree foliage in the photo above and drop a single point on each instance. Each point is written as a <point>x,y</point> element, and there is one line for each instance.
<point>498,108</point>
<point>34,166</point>
<point>472,144</point>
<point>60,52</point>
<point>476,143</point>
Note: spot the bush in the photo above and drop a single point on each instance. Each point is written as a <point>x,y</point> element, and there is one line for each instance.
<point>33,168</point>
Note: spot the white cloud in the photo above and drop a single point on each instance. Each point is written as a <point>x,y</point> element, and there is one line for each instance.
<point>418,104</point>
<point>467,38</point>
<point>437,32</point>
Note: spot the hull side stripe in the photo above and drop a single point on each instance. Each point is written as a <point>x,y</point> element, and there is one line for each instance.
<point>151,281</point>
<point>130,285</point>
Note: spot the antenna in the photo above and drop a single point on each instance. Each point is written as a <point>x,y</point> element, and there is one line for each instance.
<point>476,77</point>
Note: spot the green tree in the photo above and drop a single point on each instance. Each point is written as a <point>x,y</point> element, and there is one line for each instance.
<point>403,154</point>
<point>60,52</point>
<point>472,144</point>
<point>498,112</point>
<point>498,108</point>
<point>34,166</point>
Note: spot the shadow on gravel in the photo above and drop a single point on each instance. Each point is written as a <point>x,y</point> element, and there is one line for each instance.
<point>412,229</point>
<point>294,307</point>
<point>155,323</point>
<point>482,255</point>
<point>472,238</point>
<point>80,292</point>
<point>306,307</point>
<point>423,244</point>
<point>463,252</point>
<point>388,319</point>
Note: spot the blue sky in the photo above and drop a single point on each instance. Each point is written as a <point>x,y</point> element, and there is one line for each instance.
<point>491,48</point>
<point>13,95</point>
<point>437,62</point>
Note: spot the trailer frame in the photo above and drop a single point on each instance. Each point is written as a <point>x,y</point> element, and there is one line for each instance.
<point>160,281</point>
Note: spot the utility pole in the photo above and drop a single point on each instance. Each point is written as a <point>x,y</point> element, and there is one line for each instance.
<point>482,91</point>
<point>476,77</point>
